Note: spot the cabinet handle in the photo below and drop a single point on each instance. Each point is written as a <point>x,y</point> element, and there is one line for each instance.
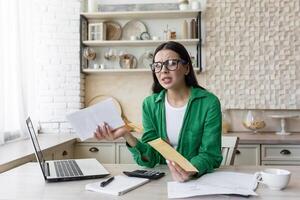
<point>64,153</point>
<point>285,152</point>
<point>237,152</point>
<point>93,149</point>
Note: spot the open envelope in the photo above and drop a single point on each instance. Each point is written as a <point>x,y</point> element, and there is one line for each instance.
<point>171,154</point>
<point>85,121</point>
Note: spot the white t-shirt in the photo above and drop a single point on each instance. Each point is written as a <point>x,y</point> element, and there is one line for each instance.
<point>174,119</point>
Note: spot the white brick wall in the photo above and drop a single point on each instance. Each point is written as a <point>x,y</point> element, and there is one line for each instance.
<point>56,50</point>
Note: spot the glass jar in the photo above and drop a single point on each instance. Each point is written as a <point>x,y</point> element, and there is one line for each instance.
<point>254,120</point>
<point>183,4</point>
<point>226,121</point>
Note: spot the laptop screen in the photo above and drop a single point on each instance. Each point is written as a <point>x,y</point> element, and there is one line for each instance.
<point>38,152</point>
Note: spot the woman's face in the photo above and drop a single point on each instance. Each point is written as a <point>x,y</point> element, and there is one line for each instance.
<point>170,79</point>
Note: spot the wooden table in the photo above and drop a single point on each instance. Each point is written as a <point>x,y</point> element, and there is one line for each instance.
<point>26,182</point>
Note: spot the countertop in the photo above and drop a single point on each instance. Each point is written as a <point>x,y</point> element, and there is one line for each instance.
<point>265,138</point>
<point>245,138</point>
<point>22,151</point>
<point>27,182</point>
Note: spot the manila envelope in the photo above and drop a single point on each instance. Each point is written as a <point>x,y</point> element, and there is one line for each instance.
<point>171,154</point>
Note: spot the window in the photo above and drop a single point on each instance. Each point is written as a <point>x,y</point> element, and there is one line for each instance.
<point>16,68</point>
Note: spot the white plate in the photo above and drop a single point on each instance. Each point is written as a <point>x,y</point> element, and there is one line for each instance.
<point>133,28</point>
<point>146,59</point>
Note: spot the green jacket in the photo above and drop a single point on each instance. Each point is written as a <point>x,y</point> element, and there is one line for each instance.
<point>200,135</point>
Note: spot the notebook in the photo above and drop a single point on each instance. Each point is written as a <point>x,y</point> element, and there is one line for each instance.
<point>119,186</point>
<point>170,153</point>
<point>215,183</point>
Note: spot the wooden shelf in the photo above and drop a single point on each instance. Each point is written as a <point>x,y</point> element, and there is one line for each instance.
<point>99,71</point>
<point>101,43</point>
<point>143,14</point>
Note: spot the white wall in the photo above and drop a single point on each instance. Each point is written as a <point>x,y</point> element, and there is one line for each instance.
<point>57,56</point>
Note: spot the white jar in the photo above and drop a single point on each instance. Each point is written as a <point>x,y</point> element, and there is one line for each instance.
<point>195,5</point>
<point>96,66</point>
<point>183,6</point>
<point>155,38</point>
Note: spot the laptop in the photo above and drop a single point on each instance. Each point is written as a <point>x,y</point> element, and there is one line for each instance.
<point>65,170</point>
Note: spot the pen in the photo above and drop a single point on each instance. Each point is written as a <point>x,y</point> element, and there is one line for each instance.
<point>105,183</point>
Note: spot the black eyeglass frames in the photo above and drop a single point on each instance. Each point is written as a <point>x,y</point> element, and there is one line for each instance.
<point>171,65</point>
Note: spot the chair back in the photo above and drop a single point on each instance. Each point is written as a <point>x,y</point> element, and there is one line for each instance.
<point>229,146</point>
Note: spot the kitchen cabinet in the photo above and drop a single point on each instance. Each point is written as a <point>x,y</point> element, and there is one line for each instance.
<point>59,152</point>
<point>280,154</point>
<point>247,155</point>
<point>104,152</point>
<point>155,22</point>
<point>123,155</point>
<point>267,154</point>
<point>64,152</point>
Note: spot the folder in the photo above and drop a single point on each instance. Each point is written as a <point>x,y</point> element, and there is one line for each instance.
<point>171,154</point>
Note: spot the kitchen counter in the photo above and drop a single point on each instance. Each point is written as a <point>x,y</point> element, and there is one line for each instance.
<point>32,185</point>
<point>19,152</point>
<point>265,138</point>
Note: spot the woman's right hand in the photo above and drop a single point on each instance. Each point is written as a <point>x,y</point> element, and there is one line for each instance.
<point>104,131</point>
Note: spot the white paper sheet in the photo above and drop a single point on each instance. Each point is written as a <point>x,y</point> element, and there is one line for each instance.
<point>119,186</point>
<point>213,184</point>
<point>85,121</point>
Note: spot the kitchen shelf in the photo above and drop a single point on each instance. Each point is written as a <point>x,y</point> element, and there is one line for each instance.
<point>86,18</point>
<point>101,43</point>
<point>98,71</point>
<point>175,14</point>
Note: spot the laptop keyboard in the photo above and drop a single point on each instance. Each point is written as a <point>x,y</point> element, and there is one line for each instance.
<point>67,168</point>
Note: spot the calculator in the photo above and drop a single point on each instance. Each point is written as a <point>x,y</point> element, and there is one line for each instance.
<point>145,174</point>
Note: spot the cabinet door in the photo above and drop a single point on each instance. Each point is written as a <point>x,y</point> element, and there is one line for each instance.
<point>65,151</point>
<point>280,154</point>
<point>103,152</point>
<point>276,162</point>
<point>123,154</point>
<point>247,155</point>
<point>47,154</point>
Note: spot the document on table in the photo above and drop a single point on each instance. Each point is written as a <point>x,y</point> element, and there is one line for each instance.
<point>215,183</point>
<point>85,121</point>
<point>170,153</point>
<point>119,186</point>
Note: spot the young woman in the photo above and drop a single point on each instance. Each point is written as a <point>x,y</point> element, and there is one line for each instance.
<point>180,112</point>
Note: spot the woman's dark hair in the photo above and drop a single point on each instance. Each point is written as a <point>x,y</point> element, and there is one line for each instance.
<point>190,78</point>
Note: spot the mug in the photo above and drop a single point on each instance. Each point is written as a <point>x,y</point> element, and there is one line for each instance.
<point>96,66</point>
<point>133,37</point>
<point>275,179</point>
<point>155,38</point>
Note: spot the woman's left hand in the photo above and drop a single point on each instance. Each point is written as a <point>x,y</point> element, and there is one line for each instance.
<point>178,173</point>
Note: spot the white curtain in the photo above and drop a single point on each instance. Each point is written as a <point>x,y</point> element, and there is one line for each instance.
<point>17,71</point>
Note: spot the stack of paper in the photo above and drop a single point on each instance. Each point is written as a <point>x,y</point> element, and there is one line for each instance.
<point>215,183</point>
<point>85,121</point>
<point>119,186</point>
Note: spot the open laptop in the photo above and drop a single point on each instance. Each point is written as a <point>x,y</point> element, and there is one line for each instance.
<point>65,170</point>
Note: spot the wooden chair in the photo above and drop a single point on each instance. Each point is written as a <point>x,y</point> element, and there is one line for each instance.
<point>229,145</point>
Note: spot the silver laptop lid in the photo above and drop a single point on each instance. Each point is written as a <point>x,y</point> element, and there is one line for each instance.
<point>37,148</point>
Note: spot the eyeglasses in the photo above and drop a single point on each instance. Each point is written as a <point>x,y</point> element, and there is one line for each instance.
<point>171,65</point>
